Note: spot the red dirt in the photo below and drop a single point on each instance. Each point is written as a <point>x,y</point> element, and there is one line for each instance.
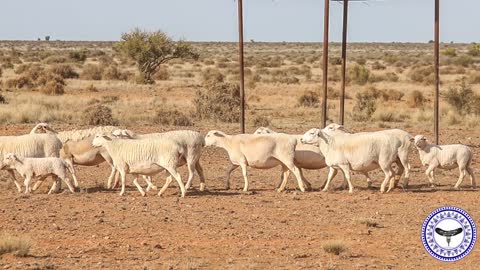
<point>221,229</point>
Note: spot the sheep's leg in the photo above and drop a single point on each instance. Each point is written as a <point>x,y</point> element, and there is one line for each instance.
<point>430,176</point>
<point>55,186</point>
<point>123,176</point>
<point>150,185</point>
<point>191,173</point>
<point>178,177</point>
<point>117,180</point>
<point>346,172</point>
<point>331,174</point>
<point>113,174</point>
<point>12,175</point>
<point>472,177</point>
<point>67,181</point>
<point>389,174</point>
<point>135,182</point>
<point>245,177</point>
<point>307,184</point>
<point>26,183</point>
<point>296,171</point>
<point>460,178</point>
<point>199,170</point>
<point>230,169</point>
<point>71,169</point>
<point>165,186</point>
<point>394,180</point>
<point>285,175</point>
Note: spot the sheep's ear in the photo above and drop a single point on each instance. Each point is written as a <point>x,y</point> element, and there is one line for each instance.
<point>106,137</point>
<point>342,128</point>
<point>412,139</point>
<point>218,134</point>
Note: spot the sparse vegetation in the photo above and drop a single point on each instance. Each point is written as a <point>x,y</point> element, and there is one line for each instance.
<point>359,75</point>
<point>98,115</point>
<point>309,99</point>
<point>19,246</point>
<point>463,99</point>
<point>334,247</point>
<point>369,222</point>
<point>172,117</point>
<point>261,121</point>
<point>365,105</point>
<point>218,101</point>
<point>415,99</point>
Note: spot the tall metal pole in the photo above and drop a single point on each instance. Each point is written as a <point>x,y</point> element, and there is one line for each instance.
<point>326,13</point>
<point>241,62</point>
<point>344,61</point>
<point>437,69</point>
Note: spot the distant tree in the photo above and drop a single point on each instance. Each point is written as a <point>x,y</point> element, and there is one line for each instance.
<point>151,49</point>
<point>47,38</point>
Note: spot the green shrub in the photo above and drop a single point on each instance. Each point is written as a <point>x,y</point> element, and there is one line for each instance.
<point>463,99</point>
<point>359,75</point>
<point>450,52</point>
<point>474,50</point>
<point>365,106</point>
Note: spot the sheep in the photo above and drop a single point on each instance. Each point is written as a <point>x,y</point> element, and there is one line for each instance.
<point>143,157</point>
<point>72,135</point>
<point>306,156</point>
<point>360,152</point>
<point>39,168</point>
<point>29,145</point>
<point>191,141</point>
<point>445,157</point>
<point>257,151</point>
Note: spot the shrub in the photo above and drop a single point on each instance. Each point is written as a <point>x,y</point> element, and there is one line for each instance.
<point>3,100</point>
<point>20,246</point>
<point>55,59</point>
<point>391,77</point>
<point>98,115</point>
<point>64,70</point>
<point>365,106</point>
<point>378,66</point>
<point>112,73</point>
<point>423,75</point>
<point>92,72</point>
<point>369,222</point>
<point>92,88</point>
<point>415,99</point>
<point>474,50</point>
<point>463,61</point>
<point>20,82</point>
<point>162,74</point>
<point>309,99</point>
<point>78,56</point>
<point>212,75</point>
<point>359,74</point>
<point>218,101</point>
<point>361,61</point>
<point>51,84</point>
<point>173,117</point>
<point>336,61</point>
<point>474,78</point>
<point>392,94</point>
<point>335,247</point>
<point>463,99</point>
<point>450,52</point>
<point>261,121</point>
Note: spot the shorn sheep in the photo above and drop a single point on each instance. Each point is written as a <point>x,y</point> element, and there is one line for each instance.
<point>445,157</point>
<point>73,135</point>
<point>191,141</point>
<point>257,151</point>
<point>29,145</point>
<point>143,157</point>
<point>355,152</point>
<point>40,168</point>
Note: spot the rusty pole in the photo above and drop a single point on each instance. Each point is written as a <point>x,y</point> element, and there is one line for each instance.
<point>326,13</point>
<point>437,69</point>
<point>242,66</point>
<point>344,61</point>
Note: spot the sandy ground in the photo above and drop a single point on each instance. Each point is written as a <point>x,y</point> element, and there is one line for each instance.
<point>219,229</point>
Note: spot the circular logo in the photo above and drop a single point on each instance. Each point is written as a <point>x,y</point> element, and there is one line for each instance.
<point>449,234</point>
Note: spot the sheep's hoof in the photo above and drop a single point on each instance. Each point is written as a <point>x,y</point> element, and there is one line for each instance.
<point>324,190</point>
<point>280,190</point>
<point>456,187</point>
<point>202,187</point>
<point>350,191</point>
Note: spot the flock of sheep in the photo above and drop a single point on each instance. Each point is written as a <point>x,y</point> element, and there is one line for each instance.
<point>45,152</point>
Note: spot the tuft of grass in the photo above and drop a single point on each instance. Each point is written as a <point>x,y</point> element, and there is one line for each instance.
<point>98,115</point>
<point>416,99</point>
<point>261,121</point>
<point>369,222</point>
<point>218,101</point>
<point>335,247</point>
<point>309,99</point>
<point>19,246</point>
<point>172,117</point>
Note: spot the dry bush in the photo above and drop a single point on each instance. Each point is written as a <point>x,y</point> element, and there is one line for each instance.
<point>112,73</point>
<point>98,115</point>
<point>55,59</point>
<point>463,99</point>
<point>212,75</point>
<point>361,61</point>
<point>19,83</point>
<point>415,99</point>
<point>392,94</point>
<point>309,99</point>
<point>474,78</point>
<point>261,121</point>
<point>359,75</point>
<point>20,246</point>
<point>92,88</point>
<point>365,105</point>
<point>162,74</point>
<point>218,101</point>
<point>423,75</point>
<point>335,61</point>
<point>172,117</point>
<point>378,66</point>
<point>64,70</point>
<point>92,72</point>
<point>51,84</point>
<point>3,100</point>
<point>78,56</point>
<point>1,72</point>
<point>474,50</point>
<point>369,222</point>
<point>464,61</point>
<point>334,247</point>
<point>450,52</point>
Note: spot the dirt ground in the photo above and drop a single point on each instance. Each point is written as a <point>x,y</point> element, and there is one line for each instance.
<point>219,229</point>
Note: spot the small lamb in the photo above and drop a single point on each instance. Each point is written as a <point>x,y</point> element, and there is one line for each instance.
<point>39,168</point>
<point>445,157</point>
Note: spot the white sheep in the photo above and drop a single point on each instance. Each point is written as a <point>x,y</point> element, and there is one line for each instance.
<point>257,151</point>
<point>191,141</point>
<point>143,157</point>
<point>360,152</point>
<point>29,145</point>
<point>72,135</point>
<point>40,168</point>
<point>445,157</point>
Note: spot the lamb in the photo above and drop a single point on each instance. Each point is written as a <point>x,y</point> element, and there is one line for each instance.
<point>191,141</point>
<point>257,151</point>
<point>445,157</point>
<point>72,135</point>
<point>143,157</point>
<point>29,145</point>
<point>39,168</point>
<point>360,152</point>
<point>307,156</point>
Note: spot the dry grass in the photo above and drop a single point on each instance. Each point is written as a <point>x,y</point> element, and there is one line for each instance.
<point>369,222</point>
<point>20,246</point>
<point>335,247</point>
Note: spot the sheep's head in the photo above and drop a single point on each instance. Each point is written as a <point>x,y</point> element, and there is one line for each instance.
<point>419,141</point>
<point>312,136</point>
<point>263,130</point>
<point>9,159</point>
<point>212,137</point>
<point>43,128</point>
<point>333,129</point>
<point>122,134</point>
<point>100,139</point>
